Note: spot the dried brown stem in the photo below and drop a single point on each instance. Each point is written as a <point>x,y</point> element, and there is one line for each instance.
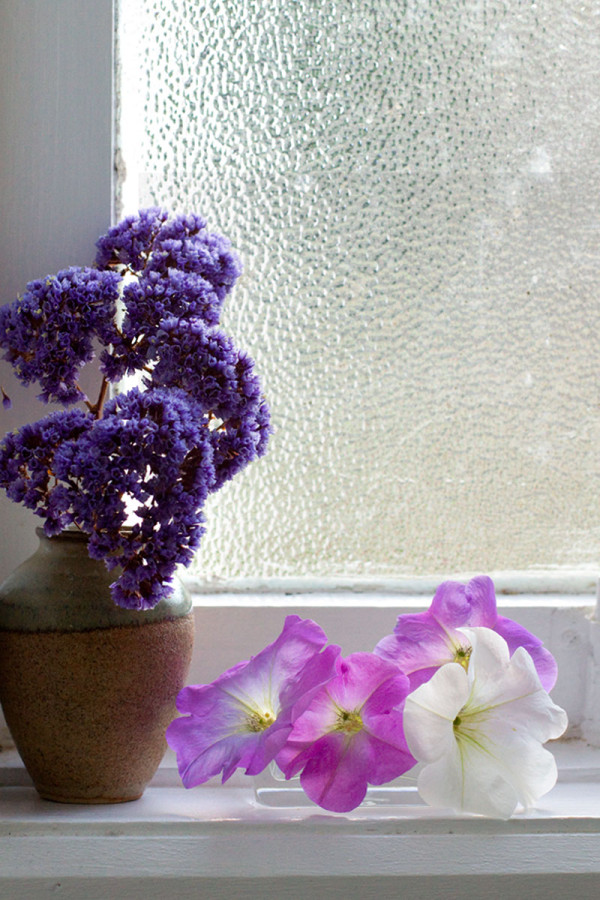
<point>97,407</point>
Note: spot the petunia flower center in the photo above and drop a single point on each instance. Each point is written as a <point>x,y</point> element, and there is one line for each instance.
<point>348,722</point>
<point>259,721</point>
<point>467,725</point>
<point>462,656</point>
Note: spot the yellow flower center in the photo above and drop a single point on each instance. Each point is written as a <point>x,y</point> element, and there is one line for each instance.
<point>259,721</point>
<point>348,722</point>
<point>462,656</point>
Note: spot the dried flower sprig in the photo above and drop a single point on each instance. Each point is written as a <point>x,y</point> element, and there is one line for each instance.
<point>148,457</point>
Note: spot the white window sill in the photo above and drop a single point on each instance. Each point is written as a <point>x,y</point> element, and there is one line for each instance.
<point>174,842</point>
<point>220,842</point>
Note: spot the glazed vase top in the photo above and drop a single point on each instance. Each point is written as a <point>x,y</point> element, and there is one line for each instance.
<point>60,588</point>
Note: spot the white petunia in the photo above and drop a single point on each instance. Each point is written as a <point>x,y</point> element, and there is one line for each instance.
<point>479,731</point>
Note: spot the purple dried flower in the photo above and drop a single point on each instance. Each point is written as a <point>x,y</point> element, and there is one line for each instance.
<point>27,468</point>
<point>239,441</point>
<point>152,304</point>
<point>149,456</point>
<point>48,333</point>
<point>129,243</point>
<point>205,363</point>
<point>147,303</point>
<point>149,241</point>
<point>208,255</point>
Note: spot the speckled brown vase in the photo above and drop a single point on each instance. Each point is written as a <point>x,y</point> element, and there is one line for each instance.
<point>87,688</point>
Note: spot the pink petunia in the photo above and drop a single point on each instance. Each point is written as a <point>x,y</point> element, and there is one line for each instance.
<point>350,734</point>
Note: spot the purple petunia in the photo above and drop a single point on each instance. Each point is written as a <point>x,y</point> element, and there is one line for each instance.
<point>422,642</point>
<point>243,718</point>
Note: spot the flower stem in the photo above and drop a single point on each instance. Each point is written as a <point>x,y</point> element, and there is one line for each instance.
<point>97,407</point>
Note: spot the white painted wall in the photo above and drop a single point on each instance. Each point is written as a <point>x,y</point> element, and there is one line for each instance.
<point>55,173</point>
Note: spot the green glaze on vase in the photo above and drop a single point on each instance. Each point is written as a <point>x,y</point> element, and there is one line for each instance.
<point>87,688</point>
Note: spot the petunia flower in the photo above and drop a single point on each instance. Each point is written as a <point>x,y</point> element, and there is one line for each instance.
<point>243,718</point>
<point>479,731</point>
<point>350,733</point>
<point>422,642</point>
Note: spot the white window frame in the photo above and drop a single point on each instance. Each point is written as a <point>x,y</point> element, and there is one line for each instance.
<point>56,194</point>
<point>57,160</point>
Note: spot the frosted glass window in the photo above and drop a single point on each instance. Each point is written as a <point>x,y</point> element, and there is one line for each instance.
<point>413,188</point>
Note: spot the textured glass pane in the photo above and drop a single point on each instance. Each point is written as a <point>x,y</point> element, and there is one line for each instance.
<point>413,187</point>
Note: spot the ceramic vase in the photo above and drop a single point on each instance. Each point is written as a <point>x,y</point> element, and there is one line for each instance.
<point>87,688</point>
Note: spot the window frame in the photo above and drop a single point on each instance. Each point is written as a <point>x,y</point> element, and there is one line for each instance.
<point>57,194</point>
<point>55,206</point>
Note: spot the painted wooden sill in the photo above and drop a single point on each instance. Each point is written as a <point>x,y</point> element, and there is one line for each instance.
<point>221,834</point>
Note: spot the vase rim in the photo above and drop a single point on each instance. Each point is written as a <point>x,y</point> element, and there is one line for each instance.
<point>69,534</point>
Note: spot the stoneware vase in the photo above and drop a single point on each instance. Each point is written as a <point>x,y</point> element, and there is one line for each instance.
<point>87,688</point>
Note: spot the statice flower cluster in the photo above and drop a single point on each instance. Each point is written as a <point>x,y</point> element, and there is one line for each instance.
<point>48,333</point>
<point>458,689</point>
<point>134,471</point>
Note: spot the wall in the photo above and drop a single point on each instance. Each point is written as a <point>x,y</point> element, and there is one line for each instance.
<point>55,172</point>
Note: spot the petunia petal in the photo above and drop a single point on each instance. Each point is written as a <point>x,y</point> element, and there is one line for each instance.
<point>467,782</point>
<point>388,696</point>
<point>418,646</point>
<point>358,675</point>
<point>350,733</point>
<point>319,669</point>
<point>519,703</point>
<point>484,751</point>
<point>424,641</point>
<point>199,758</point>
<point>268,673</point>
<point>318,719</point>
<point>390,756</point>
<point>517,636</point>
<point>502,679</point>
<point>335,776</point>
<point>522,761</point>
<point>430,711</point>
<point>228,722</point>
<point>481,597</point>
<point>456,604</point>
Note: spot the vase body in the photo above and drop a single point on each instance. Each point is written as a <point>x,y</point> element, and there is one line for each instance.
<point>87,688</point>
